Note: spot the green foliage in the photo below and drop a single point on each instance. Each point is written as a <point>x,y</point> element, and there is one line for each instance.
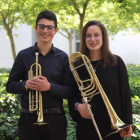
<point>8,129</point>
<point>5,70</point>
<point>136,104</point>
<point>136,118</point>
<point>9,109</point>
<point>71,135</point>
<point>9,103</point>
<point>134,82</point>
<point>134,79</point>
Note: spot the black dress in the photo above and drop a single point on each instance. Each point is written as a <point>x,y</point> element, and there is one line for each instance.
<point>114,81</point>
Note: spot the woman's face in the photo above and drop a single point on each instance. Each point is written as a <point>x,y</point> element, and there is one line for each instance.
<point>93,38</point>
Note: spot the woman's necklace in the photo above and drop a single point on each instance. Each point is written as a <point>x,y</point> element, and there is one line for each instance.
<point>96,66</point>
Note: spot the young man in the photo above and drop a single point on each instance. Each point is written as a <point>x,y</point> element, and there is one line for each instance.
<point>54,83</point>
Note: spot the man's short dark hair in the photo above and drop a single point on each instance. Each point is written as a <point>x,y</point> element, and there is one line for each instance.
<point>48,15</point>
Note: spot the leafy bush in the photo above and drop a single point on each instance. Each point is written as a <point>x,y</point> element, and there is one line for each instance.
<point>8,129</point>
<point>10,108</point>
<point>134,82</point>
<point>71,131</point>
<point>134,79</point>
<point>4,70</point>
<point>136,117</point>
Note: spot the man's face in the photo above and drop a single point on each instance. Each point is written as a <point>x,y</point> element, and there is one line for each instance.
<point>45,30</point>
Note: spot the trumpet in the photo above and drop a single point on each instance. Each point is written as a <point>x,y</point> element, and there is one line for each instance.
<point>35,97</point>
<point>90,87</point>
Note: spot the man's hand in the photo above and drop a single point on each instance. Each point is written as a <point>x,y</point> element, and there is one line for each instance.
<point>126,132</point>
<point>82,108</point>
<point>39,83</point>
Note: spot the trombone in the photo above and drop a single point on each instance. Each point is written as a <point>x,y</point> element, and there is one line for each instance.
<point>90,87</point>
<point>35,97</point>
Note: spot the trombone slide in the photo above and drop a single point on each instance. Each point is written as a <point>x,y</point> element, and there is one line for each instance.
<point>93,120</point>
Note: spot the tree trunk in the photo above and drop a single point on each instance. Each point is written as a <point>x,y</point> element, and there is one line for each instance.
<point>81,24</point>
<point>9,28</point>
<point>70,45</point>
<point>70,40</point>
<point>69,36</point>
<point>81,27</point>
<point>9,32</point>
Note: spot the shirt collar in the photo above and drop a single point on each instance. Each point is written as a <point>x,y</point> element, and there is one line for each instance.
<point>35,48</point>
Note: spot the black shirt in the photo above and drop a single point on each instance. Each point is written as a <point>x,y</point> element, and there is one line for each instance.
<point>114,81</point>
<point>55,68</point>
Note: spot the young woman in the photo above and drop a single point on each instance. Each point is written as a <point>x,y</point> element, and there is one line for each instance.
<point>112,74</point>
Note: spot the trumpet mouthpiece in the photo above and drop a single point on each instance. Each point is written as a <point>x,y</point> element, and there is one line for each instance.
<point>36,53</point>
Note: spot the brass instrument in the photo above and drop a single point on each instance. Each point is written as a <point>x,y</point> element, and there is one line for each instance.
<point>35,97</point>
<point>90,87</point>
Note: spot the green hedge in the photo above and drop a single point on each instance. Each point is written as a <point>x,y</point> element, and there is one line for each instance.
<point>10,107</point>
<point>134,79</point>
<point>10,110</point>
<point>4,70</point>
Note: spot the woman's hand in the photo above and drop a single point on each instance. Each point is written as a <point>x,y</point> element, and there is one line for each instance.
<point>126,132</point>
<point>82,108</point>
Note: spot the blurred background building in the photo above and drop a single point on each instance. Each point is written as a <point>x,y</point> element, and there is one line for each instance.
<point>122,44</point>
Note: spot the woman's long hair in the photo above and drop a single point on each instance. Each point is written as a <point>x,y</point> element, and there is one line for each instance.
<point>106,53</point>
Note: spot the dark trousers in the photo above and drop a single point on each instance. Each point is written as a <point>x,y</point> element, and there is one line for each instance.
<point>54,130</point>
<point>86,131</point>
